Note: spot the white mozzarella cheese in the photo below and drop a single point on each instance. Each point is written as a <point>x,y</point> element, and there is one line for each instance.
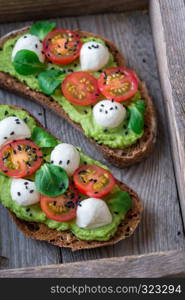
<point>93,56</point>
<point>93,213</point>
<point>109,114</point>
<point>13,128</point>
<point>66,156</point>
<point>23,192</point>
<point>29,42</point>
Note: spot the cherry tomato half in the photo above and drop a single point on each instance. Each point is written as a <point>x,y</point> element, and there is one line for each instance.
<point>80,88</point>
<point>61,208</point>
<point>118,83</point>
<point>20,158</point>
<point>93,181</point>
<point>62,46</point>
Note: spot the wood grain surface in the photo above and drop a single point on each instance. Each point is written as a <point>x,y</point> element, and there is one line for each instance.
<point>168,24</point>
<point>20,10</point>
<point>159,264</point>
<point>161,228</point>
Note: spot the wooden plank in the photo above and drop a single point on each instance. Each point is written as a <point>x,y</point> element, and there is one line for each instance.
<point>161,227</point>
<point>161,264</point>
<point>20,10</point>
<point>168,24</point>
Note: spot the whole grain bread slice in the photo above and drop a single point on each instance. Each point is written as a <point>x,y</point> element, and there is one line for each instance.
<point>119,157</point>
<point>67,239</point>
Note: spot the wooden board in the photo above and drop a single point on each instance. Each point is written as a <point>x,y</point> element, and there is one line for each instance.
<point>161,228</point>
<point>20,10</point>
<point>168,24</point>
<point>159,264</point>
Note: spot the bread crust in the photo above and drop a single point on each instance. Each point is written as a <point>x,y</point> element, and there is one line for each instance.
<point>119,157</point>
<point>67,239</point>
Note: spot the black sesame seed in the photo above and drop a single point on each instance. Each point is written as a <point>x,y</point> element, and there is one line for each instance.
<point>14,151</point>
<point>12,133</point>
<point>85,112</point>
<point>5,171</point>
<point>112,99</point>
<point>18,193</point>
<point>31,215</point>
<point>116,107</point>
<point>36,46</point>
<point>96,192</point>
<point>89,47</point>
<point>106,112</point>
<point>128,229</point>
<point>100,110</point>
<point>52,161</point>
<point>25,36</point>
<point>6,113</point>
<point>102,105</point>
<point>40,114</point>
<point>26,183</point>
<point>111,108</point>
<point>60,162</point>
<point>126,132</point>
<point>61,186</point>
<point>25,120</point>
<point>19,148</point>
<point>5,138</point>
<point>68,162</point>
<point>115,212</point>
<point>28,209</point>
<point>105,130</point>
<point>31,191</point>
<point>85,163</point>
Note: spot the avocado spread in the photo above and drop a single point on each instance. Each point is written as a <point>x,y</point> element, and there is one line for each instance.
<point>118,201</point>
<point>119,137</point>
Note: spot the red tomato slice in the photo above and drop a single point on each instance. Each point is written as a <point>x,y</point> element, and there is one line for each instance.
<point>80,88</point>
<point>20,158</point>
<point>61,208</point>
<point>62,46</point>
<point>93,181</point>
<point>118,83</point>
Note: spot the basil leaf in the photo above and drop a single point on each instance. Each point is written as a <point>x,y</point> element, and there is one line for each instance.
<point>121,202</point>
<point>41,29</point>
<point>51,180</point>
<point>136,121</point>
<point>50,80</point>
<point>42,138</point>
<point>26,62</point>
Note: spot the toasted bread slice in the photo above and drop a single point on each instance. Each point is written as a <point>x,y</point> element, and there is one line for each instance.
<point>67,239</point>
<point>120,157</point>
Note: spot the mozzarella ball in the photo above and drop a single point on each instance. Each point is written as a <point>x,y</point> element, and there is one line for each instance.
<point>93,213</point>
<point>23,192</point>
<point>29,42</point>
<point>93,56</point>
<point>66,156</point>
<point>13,128</point>
<point>109,114</point>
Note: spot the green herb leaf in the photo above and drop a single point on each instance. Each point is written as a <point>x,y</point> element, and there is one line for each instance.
<point>136,121</point>
<point>50,80</point>
<point>121,203</point>
<point>26,62</point>
<point>51,180</point>
<point>42,138</point>
<point>41,29</point>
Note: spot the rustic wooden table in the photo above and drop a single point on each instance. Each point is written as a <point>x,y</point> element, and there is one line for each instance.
<point>155,179</point>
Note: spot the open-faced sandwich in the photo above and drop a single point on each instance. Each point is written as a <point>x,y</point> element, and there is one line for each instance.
<point>55,192</point>
<point>82,77</point>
